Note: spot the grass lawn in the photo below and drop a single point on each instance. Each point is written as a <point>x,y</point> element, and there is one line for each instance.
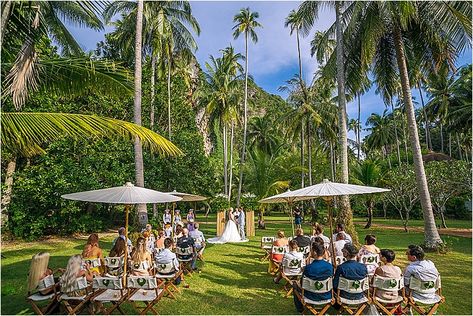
<point>233,280</point>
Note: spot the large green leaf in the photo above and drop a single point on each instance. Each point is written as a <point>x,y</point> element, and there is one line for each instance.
<point>25,133</point>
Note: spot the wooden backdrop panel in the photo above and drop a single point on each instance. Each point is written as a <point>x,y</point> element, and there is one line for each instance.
<point>250,223</point>
<point>220,222</point>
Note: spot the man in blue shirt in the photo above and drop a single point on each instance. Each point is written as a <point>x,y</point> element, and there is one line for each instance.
<point>318,270</point>
<point>351,270</point>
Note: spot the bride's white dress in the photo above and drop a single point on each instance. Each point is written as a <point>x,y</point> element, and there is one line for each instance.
<point>230,234</point>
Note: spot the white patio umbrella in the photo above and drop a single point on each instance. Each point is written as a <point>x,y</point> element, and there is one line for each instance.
<point>326,190</point>
<point>127,195</point>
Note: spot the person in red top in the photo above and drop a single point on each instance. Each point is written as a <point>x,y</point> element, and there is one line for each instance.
<point>279,242</point>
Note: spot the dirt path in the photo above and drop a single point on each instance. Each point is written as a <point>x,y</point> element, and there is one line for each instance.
<point>460,232</point>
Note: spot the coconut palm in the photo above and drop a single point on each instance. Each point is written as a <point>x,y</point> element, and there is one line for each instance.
<point>261,134</point>
<point>382,133</point>
<point>245,24</point>
<point>294,22</point>
<point>439,30</point>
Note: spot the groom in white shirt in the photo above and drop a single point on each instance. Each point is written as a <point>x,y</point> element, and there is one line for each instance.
<point>241,223</point>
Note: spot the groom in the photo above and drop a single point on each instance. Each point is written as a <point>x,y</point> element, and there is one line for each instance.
<point>241,223</point>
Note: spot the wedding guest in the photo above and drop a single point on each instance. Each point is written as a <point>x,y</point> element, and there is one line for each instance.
<point>318,231</point>
<point>178,233</point>
<point>190,220</point>
<point>351,270</point>
<point>388,270</point>
<point>92,251</point>
<point>184,242</point>
<point>166,256</point>
<point>292,254</point>
<point>118,250</point>
<point>280,241</point>
<point>38,271</point>
<point>369,248</point>
<point>141,258</point>
<point>160,240</point>
<point>73,271</point>
<point>339,243</point>
<point>318,240</point>
<point>167,218</point>
<point>421,269</point>
<point>297,218</point>
<point>341,229</point>
<point>199,240</point>
<point>177,216</point>
<point>121,234</point>
<point>302,240</point>
<point>167,230</point>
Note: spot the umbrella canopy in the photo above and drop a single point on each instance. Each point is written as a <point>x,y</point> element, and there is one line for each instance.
<point>323,189</point>
<point>127,194</point>
<point>186,197</point>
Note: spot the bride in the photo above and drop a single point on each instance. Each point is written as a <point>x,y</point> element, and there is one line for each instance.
<point>230,233</point>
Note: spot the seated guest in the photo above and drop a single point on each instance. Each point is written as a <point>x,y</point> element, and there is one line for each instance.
<point>178,233</point>
<point>318,270</point>
<point>388,270</point>
<point>351,270</point>
<point>199,240</point>
<point>318,231</point>
<point>369,248</point>
<point>319,240</point>
<point>38,271</point>
<point>166,256</point>
<point>160,240</point>
<point>92,251</point>
<point>118,250</point>
<point>339,244</point>
<point>73,271</point>
<point>167,230</point>
<point>293,254</point>
<point>141,258</point>
<point>121,234</point>
<point>280,241</point>
<point>150,240</point>
<point>302,240</point>
<point>421,269</point>
<point>184,242</point>
<point>341,229</point>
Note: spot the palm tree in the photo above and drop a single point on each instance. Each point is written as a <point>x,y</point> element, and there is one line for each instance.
<point>382,133</point>
<point>439,29</point>
<point>355,126</point>
<point>294,21</point>
<point>245,23</point>
<point>368,172</point>
<point>261,134</point>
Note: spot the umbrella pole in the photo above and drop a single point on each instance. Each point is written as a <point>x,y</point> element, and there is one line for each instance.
<point>332,246</point>
<point>172,220</point>
<point>127,209</point>
<point>292,219</point>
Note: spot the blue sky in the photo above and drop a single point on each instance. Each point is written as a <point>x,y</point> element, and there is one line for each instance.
<point>273,60</point>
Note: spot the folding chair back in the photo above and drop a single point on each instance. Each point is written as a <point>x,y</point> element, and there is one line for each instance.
<point>167,273</point>
<point>267,241</point>
<point>184,252</point>
<point>353,286</point>
<point>279,250</point>
<point>143,265</point>
<point>317,287</point>
<point>34,298</point>
<point>114,265</point>
<point>394,285</point>
<point>46,283</point>
<point>109,289</point>
<point>144,289</point>
<point>198,242</point>
<point>424,287</point>
<point>305,250</point>
<point>292,267</point>
<point>142,282</point>
<point>340,259</point>
<point>93,263</point>
<point>369,259</point>
<point>388,284</point>
<point>112,283</point>
<point>431,288</point>
<point>165,268</point>
<point>353,306</point>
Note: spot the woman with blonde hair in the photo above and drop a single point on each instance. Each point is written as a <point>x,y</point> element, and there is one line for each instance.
<point>92,251</point>
<point>38,271</point>
<point>73,271</point>
<point>140,258</point>
<point>281,241</point>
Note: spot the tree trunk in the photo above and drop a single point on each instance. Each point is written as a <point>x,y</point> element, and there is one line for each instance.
<point>385,210</point>
<point>139,173</point>
<point>459,147</point>
<point>450,144</point>
<point>6,198</point>
<point>332,164</point>
<point>395,134</point>
<point>225,159</point>
<point>385,151</point>
<point>405,141</point>
<point>169,97</point>
<point>302,154</point>
<point>431,235</point>
<point>369,206</point>
<point>428,140</point>
<point>441,138</point>
<point>309,152</point>
<point>231,164</point>
<point>245,123</point>
<point>5,16</point>
<point>345,215</point>
<point>442,216</point>
<point>152,83</point>
<point>358,137</point>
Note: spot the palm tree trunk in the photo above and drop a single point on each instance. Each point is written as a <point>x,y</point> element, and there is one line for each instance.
<point>231,164</point>
<point>395,134</point>
<point>302,154</point>
<point>450,144</point>
<point>6,197</point>
<point>358,137</point>
<point>428,140</point>
<point>441,137</point>
<point>245,123</point>
<point>431,235</point>
<point>405,140</point>
<point>5,15</point>
<point>139,173</point>
<point>299,55</point>
<point>225,159</point>
<point>309,152</point>
<point>332,167</point>
<point>459,147</point>
<point>152,83</point>
<point>345,215</point>
<point>385,151</point>
<point>369,205</point>
<point>169,97</point>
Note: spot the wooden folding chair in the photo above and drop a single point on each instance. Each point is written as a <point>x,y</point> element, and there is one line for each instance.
<point>109,290</point>
<point>388,307</point>
<point>75,304</point>
<point>185,256</point>
<point>144,289</point>
<point>266,245</point>
<point>198,244</point>
<point>316,287</point>
<point>368,260</point>
<point>36,299</point>
<point>114,266</point>
<point>167,274</point>
<point>291,270</point>
<point>424,306</point>
<point>353,307</point>
<point>93,263</point>
<point>277,250</point>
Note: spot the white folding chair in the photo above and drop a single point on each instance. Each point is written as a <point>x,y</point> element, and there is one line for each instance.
<point>278,250</point>
<point>93,263</point>
<point>431,288</point>
<point>339,260</point>
<point>266,245</point>
<point>114,266</point>
<point>75,304</point>
<point>185,256</point>
<point>167,273</point>
<point>109,289</point>
<point>144,289</point>
<point>36,298</point>
<point>353,306</point>
<point>198,244</point>
<point>394,285</point>
<point>305,250</point>
<point>316,287</point>
<point>291,270</point>
<point>370,260</point>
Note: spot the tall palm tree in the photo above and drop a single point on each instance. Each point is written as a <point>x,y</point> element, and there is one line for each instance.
<point>294,22</point>
<point>382,133</point>
<point>439,29</point>
<point>245,24</point>
<point>261,134</point>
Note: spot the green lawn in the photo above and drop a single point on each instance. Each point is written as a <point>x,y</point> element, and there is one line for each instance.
<point>233,280</point>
